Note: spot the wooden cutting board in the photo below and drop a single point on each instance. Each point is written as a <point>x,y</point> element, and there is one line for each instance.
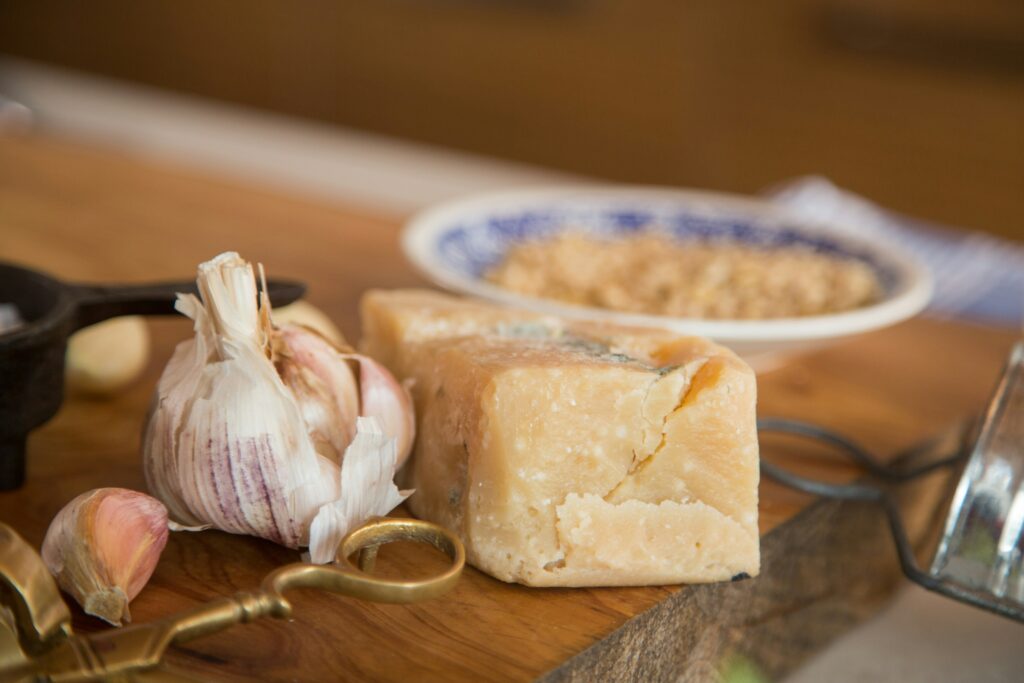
<point>91,214</point>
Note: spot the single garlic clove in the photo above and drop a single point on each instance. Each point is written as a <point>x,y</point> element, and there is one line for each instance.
<point>103,546</point>
<point>307,315</point>
<point>323,385</point>
<point>106,357</point>
<point>382,397</point>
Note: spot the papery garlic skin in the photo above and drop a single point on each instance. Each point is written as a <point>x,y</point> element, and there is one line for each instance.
<point>367,490</point>
<point>250,422</point>
<point>102,548</point>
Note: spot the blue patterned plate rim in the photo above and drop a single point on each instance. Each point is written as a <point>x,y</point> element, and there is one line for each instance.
<point>453,244</point>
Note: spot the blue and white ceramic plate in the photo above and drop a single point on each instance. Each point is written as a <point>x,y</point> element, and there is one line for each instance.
<point>455,243</point>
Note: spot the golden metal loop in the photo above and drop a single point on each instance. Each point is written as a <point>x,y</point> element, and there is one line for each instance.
<point>349,579</point>
<point>367,540</point>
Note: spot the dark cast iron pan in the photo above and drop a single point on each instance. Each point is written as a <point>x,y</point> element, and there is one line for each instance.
<point>32,356</point>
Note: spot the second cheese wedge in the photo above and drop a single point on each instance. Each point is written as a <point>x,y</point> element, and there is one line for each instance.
<point>574,454</point>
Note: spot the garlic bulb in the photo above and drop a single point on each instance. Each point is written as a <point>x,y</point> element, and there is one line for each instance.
<point>103,546</point>
<point>251,424</point>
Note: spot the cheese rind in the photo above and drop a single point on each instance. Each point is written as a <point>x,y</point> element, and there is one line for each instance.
<point>574,454</point>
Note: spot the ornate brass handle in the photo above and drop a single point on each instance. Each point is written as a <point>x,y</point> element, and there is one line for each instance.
<point>133,650</point>
<point>26,589</point>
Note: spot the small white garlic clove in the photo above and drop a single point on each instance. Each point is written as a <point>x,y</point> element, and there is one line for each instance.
<point>106,357</point>
<point>307,315</point>
<point>103,546</point>
<point>384,398</point>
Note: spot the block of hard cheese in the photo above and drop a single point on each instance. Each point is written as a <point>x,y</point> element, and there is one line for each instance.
<point>574,454</point>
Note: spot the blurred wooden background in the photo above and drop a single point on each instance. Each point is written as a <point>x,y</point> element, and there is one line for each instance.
<point>916,104</point>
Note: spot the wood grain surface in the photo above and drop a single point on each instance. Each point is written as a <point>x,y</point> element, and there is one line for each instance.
<point>94,215</point>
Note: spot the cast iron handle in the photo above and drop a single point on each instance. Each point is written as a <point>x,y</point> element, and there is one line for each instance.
<point>100,302</point>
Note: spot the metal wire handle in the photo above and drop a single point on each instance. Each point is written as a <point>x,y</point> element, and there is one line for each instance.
<point>866,492</point>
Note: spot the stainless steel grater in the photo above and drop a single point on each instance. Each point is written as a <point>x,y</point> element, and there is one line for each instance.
<point>980,556</point>
<point>982,547</point>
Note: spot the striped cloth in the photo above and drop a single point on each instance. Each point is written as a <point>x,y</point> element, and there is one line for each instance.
<point>977,276</point>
